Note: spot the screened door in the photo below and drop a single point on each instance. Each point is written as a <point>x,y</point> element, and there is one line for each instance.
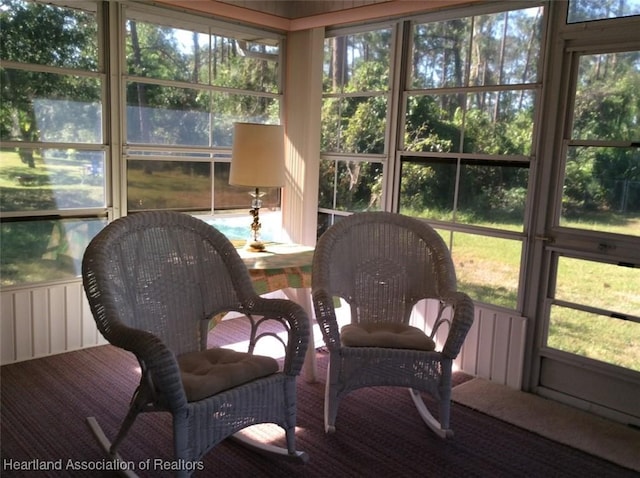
<point>590,345</point>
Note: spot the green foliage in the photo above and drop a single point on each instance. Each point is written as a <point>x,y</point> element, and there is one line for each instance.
<point>497,122</point>
<point>70,41</point>
<point>365,130</point>
<point>185,116</point>
<point>597,179</point>
<point>425,131</point>
<point>607,106</point>
<point>369,75</point>
<point>47,35</point>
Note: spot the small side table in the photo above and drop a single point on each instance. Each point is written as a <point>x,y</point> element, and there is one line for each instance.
<point>286,267</point>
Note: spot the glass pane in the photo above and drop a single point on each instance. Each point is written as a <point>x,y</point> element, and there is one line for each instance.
<point>50,107</point>
<point>440,54</point>
<point>607,97</point>
<point>602,190</point>
<point>167,115</point>
<point>494,123</point>
<point>595,336</point>
<point>229,109</point>
<point>228,197</point>
<point>358,62</point>
<point>354,125</point>
<point>359,186</point>
<point>48,35</point>
<point>245,64</point>
<point>493,193</point>
<point>427,189</point>
<point>326,190</point>
<point>35,251</point>
<point>608,287</point>
<point>506,47</point>
<point>51,179</point>
<point>166,53</point>
<point>168,185</point>
<point>433,123</point>
<point>487,268</point>
<point>603,286</point>
<point>330,127</point>
<point>499,122</point>
<point>585,10</point>
<point>324,222</point>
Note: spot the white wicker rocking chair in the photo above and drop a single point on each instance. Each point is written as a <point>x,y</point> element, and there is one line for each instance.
<point>154,280</point>
<point>382,264</point>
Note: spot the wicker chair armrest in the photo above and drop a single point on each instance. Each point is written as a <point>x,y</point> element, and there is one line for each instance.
<point>297,320</point>
<point>158,359</point>
<point>461,322</point>
<point>324,307</point>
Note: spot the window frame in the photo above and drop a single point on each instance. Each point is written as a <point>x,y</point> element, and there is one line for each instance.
<point>177,153</point>
<point>385,159</point>
<point>398,154</point>
<point>111,20</point>
<point>104,146</point>
<point>449,228</point>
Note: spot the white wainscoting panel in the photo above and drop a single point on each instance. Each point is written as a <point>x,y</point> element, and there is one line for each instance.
<point>45,320</point>
<point>494,347</point>
<point>55,318</point>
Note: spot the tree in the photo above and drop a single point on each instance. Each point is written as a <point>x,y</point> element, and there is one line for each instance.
<point>70,42</point>
<point>357,69</point>
<point>607,107</point>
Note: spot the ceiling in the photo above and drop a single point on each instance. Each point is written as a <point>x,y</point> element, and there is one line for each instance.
<point>293,9</point>
<point>293,15</point>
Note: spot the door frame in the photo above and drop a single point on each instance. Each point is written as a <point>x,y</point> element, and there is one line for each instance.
<point>585,383</point>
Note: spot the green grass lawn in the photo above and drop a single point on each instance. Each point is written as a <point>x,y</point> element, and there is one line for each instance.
<point>488,270</point>
<point>54,183</point>
<point>167,188</point>
<point>595,336</point>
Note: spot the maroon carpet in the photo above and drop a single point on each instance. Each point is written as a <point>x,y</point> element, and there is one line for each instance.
<point>379,433</point>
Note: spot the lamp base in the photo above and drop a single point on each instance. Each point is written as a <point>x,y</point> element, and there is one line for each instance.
<point>254,246</point>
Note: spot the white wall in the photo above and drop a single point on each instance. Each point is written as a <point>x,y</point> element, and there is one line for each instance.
<point>302,110</point>
<point>494,347</point>
<point>45,320</point>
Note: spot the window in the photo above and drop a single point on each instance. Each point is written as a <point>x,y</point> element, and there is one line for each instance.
<point>467,142</point>
<point>355,112</point>
<point>587,10</point>
<point>601,190</point>
<point>53,157</point>
<point>185,88</point>
<point>580,311</point>
<point>66,150</point>
<point>591,241</point>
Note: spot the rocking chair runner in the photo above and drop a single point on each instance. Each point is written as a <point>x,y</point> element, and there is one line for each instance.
<point>382,264</point>
<point>153,281</point>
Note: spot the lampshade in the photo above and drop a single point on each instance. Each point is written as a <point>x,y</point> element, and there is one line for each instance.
<point>257,156</point>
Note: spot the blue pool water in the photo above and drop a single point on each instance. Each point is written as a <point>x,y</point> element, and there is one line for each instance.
<point>239,227</point>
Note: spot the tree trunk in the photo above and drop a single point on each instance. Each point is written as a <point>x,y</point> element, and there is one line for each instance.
<point>140,87</point>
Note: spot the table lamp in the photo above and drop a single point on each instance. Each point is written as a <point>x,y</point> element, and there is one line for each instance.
<point>257,160</point>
